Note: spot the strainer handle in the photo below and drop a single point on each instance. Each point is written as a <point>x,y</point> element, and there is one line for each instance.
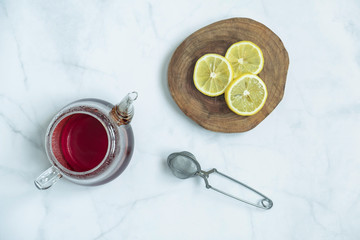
<point>264,203</point>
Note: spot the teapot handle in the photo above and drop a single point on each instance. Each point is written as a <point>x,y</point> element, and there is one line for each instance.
<point>48,178</point>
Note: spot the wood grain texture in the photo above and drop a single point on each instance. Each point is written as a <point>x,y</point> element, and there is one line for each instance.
<point>212,113</point>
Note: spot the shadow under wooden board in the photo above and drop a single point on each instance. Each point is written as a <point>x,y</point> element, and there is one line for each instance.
<point>212,113</point>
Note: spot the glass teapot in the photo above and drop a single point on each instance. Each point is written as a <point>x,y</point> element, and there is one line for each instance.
<point>89,142</point>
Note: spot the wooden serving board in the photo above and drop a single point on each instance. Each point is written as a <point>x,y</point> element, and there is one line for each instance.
<point>212,113</point>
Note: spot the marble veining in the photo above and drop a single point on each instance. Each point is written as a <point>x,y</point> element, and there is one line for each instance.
<point>304,155</point>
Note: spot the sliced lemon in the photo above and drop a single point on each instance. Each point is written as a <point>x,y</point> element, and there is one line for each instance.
<point>246,95</point>
<point>212,74</point>
<point>245,57</point>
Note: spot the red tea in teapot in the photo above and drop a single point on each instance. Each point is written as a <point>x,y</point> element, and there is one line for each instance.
<point>82,142</point>
<point>89,142</point>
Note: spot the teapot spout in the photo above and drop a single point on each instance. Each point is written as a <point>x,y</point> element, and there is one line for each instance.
<point>123,112</point>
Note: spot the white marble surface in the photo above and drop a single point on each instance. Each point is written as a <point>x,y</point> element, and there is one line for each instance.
<point>305,155</point>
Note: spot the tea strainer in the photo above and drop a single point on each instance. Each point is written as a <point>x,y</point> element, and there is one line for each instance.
<point>184,165</point>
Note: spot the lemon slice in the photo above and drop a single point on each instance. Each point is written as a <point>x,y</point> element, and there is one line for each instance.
<point>245,57</point>
<point>212,74</point>
<point>246,95</point>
